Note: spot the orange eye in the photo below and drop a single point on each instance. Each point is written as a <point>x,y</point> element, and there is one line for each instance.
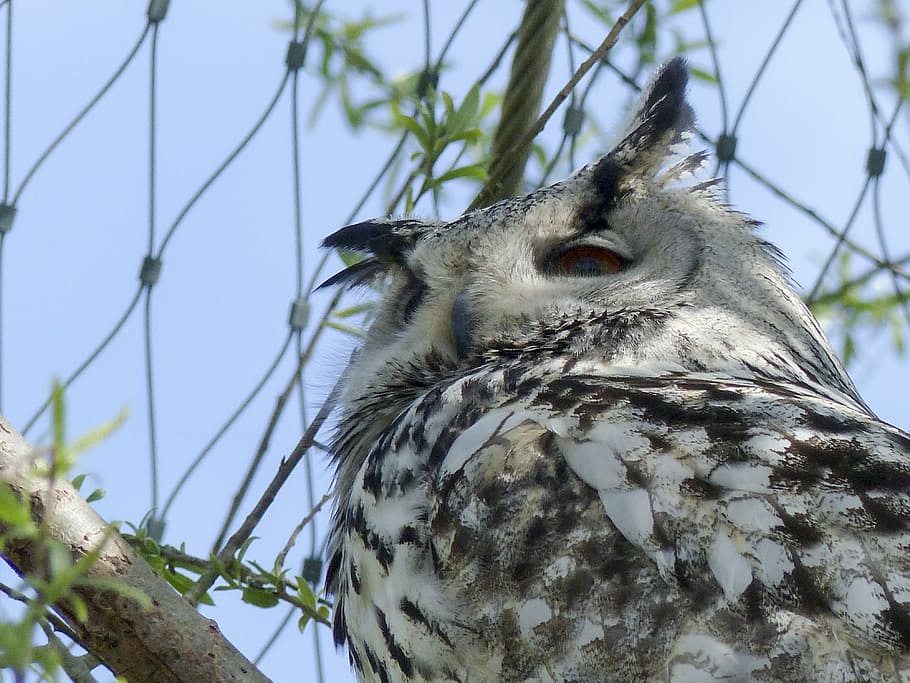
<point>587,261</point>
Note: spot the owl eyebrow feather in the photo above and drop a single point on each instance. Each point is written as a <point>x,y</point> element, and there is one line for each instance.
<point>357,275</point>
<point>605,177</point>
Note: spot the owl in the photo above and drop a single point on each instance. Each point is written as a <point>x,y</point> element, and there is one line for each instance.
<point>593,434</point>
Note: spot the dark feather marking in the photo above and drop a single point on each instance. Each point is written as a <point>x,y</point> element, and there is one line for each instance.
<point>535,533</point>
<point>835,424</point>
<point>463,543</point>
<point>576,586</point>
<point>605,178</point>
<point>886,519</point>
<point>372,476</point>
<point>413,612</point>
<point>339,627</point>
<point>331,572</point>
<point>752,600</point>
<point>404,662</point>
<point>659,443</point>
<point>523,571</point>
<point>899,618</point>
<point>700,488</point>
<point>384,552</point>
<point>800,530</point>
<point>408,534</point>
<point>850,461</point>
<point>812,597</point>
<point>354,577</point>
<point>355,658</point>
<point>405,480</point>
<point>798,475</point>
<point>376,665</point>
<point>434,558</point>
<point>358,523</point>
<point>883,475</point>
<point>492,490</point>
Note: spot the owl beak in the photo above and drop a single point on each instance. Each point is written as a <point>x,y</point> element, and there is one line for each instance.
<point>462,324</point>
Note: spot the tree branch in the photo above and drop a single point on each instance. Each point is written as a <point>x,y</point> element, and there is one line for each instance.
<point>166,641</point>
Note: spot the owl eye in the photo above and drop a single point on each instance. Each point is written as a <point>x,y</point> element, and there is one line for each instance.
<point>587,260</point>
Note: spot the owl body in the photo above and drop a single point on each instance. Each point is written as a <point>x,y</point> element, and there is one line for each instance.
<point>594,435</point>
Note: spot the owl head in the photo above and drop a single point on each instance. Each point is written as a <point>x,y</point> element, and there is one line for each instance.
<point>627,263</point>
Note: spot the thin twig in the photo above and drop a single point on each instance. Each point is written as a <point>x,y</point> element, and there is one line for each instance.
<point>265,501</point>
<point>310,516</point>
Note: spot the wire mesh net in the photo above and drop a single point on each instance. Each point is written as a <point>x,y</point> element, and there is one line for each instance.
<point>169,172</point>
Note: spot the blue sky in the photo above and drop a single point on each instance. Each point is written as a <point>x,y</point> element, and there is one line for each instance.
<point>219,312</point>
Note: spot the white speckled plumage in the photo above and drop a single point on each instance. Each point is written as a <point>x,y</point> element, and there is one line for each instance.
<point>594,435</point>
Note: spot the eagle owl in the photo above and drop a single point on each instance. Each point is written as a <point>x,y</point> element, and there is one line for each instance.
<point>593,434</point>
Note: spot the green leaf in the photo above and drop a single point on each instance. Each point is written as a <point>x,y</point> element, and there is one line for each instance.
<point>849,349</point>
<point>347,329</point>
<point>95,495</point>
<point>58,558</point>
<point>114,586</point>
<point>77,481</point>
<point>183,583</point>
<point>448,105</point>
<point>409,202</point>
<point>475,171</point>
<point>16,513</point>
<point>599,12</point>
<point>349,258</point>
<point>48,659</point>
<point>306,593</point>
<point>647,39</point>
<point>410,124</point>
<point>245,547</point>
<point>355,59</point>
<point>259,597</point>
<point>678,6</point>
<point>16,645</point>
<point>465,116</point>
<point>78,607</point>
<point>353,310</point>
<point>58,416</point>
<point>179,581</point>
<point>702,75</point>
<point>98,434</point>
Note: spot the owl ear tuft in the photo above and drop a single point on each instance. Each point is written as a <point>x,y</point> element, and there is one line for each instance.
<point>383,241</point>
<point>662,124</point>
<point>386,239</point>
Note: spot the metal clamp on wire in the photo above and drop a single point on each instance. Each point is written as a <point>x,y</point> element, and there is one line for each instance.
<point>300,314</point>
<point>295,55</point>
<point>875,162</point>
<point>150,271</point>
<point>157,10</point>
<point>726,147</point>
<point>7,214</point>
